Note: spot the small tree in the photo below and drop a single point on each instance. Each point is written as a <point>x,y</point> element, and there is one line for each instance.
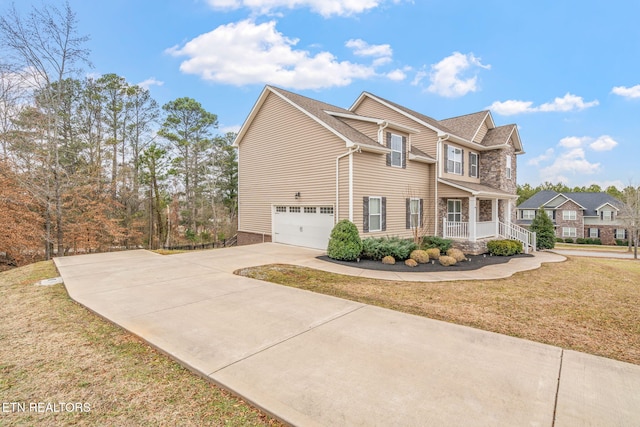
<point>345,243</point>
<point>545,232</point>
<point>630,216</point>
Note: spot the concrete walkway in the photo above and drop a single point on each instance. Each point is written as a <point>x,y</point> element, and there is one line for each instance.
<point>315,360</point>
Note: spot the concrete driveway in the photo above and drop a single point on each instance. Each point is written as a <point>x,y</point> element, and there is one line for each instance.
<point>315,360</point>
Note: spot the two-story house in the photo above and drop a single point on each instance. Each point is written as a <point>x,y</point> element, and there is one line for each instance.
<point>304,165</point>
<point>577,215</point>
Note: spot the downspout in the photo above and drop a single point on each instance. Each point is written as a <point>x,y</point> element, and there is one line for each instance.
<point>355,149</point>
<point>383,124</point>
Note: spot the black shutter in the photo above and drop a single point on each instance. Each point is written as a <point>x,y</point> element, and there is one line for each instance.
<point>389,147</point>
<point>384,214</point>
<point>446,158</point>
<point>404,152</point>
<point>365,214</point>
<point>421,214</point>
<point>462,162</point>
<point>598,233</point>
<point>478,166</point>
<point>408,215</point>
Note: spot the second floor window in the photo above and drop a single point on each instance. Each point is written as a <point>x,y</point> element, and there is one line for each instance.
<point>569,215</point>
<point>473,165</point>
<point>396,150</point>
<point>528,214</point>
<point>607,216</point>
<point>509,167</point>
<point>454,160</point>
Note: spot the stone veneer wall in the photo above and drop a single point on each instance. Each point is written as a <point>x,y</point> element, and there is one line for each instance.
<point>245,238</point>
<point>493,166</point>
<point>607,233</point>
<point>578,223</point>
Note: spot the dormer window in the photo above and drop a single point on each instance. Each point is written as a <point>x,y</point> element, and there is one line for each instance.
<point>396,150</point>
<point>607,215</point>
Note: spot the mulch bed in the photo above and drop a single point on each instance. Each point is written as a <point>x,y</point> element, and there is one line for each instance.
<point>473,262</point>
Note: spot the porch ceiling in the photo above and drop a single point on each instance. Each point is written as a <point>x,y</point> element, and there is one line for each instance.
<point>478,190</point>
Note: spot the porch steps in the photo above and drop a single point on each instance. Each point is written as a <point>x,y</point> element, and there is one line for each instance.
<point>515,232</point>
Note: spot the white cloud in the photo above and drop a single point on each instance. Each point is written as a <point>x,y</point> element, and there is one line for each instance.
<point>573,161</point>
<point>573,141</point>
<point>447,75</point>
<point>569,102</point>
<point>420,75</point>
<point>397,75</point>
<point>627,92</point>
<point>226,129</point>
<point>362,48</point>
<point>152,81</point>
<point>603,143</point>
<point>325,8</point>
<point>547,155</point>
<point>248,53</point>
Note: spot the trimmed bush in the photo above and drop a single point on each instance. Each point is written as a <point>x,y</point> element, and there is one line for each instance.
<point>376,248</point>
<point>457,254</point>
<point>620,242</point>
<point>419,256</point>
<point>434,253</point>
<point>581,241</point>
<point>429,242</point>
<point>559,240</point>
<point>411,262</point>
<point>389,260</point>
<point>344,243</point>
<point>568,240</point>
<point>504,247</point>
<point>447,260</point>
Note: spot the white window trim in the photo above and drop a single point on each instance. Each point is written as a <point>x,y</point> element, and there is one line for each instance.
<point>397,139</point>
<point>569,232</point>
<point>414,223</point>
<point>620,232</point>
<point>452,153</point>
<point>508,166</point>
<point>379,199</point>
<point>593,231</point>
<point>474,165</point>
<point>569,215</point>
<point>454,213</point>
<point>526,213</point>
<point>609,214</point>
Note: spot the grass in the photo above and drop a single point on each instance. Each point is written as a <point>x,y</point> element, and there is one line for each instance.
<point>596,248</point>
<point>588,305</point>
<point>53,350</point>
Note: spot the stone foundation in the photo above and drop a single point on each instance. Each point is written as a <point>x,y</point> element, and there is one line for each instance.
<point>472,248</point>
<point>247,238</point>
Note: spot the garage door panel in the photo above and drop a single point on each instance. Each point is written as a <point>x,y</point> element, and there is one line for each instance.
<point>303,226</point>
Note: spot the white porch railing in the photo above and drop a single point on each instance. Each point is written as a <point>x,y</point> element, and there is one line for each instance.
<point>461,230</point>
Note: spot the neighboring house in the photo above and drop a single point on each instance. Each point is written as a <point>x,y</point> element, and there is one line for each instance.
<point>577,215</point>
<point>303,165</point>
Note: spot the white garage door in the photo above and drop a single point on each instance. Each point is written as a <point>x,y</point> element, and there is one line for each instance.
<point>308,226</point>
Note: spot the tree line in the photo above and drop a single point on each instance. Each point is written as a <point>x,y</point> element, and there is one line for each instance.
<point>92,163</point>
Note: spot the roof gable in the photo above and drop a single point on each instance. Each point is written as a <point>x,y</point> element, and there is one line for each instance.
<point>469,125</point>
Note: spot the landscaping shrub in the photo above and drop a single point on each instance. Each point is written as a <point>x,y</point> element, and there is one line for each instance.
<point>411,262</point>
<point>620,242</point>
<point>377,248</point>
<point>559,239</point>
<point>581,241</point>
<point>591,241</point>
<point>419,256</point>
<point>436,242</point>
<point>447,260</point>
<point>389,260</point>
<point>344,243</point>
<point>568,240</point>
<point>544,229</point>
<point>457,254</point>
<point>504,247</point>
<point>434,253</point>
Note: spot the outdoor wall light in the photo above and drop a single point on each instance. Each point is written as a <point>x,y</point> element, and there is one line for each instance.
<point>297,195</point>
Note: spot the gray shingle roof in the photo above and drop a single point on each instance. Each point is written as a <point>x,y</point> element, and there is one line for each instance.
<point>466,126</point>
<point>590,201</point>
<point>497,136</point>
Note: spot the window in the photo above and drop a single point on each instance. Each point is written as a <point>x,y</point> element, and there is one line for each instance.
<point>396,150</point>
<point>473,165</point>
<point>569,215</point>
<point>281,209</point>
<point>294,209</point>
<point>528,214</point>
<point>454,210</point>
<point>607,215</point>
<point>551,214</point>
<point>326,210</point>
<point>414,213</point>
<point>454,160</point>
<point>569,232</point>
<point>509,167</point>
<point>375,214</point>
<point>310,209</point>
<point>621,233</point>
<point>594,233</point>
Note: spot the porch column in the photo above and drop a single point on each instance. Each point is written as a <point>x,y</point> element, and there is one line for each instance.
<point>472,218</point>
<point>494,215</point>
<point>508,219</point>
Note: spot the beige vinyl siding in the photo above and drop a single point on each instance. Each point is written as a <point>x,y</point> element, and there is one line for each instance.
<point>276,161</point>
<point>426,140</point>
<point>447,191</point>
<point>481,133</point>
<point>367,128</point>
<point>372,177</point>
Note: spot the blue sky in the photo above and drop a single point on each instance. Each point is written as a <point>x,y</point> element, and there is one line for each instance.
<point>567,72</point>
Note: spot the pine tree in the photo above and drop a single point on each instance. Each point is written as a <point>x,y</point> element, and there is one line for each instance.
<point>544,229</point>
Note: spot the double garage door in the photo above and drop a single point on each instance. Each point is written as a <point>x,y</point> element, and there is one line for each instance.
<point>308,226</point>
